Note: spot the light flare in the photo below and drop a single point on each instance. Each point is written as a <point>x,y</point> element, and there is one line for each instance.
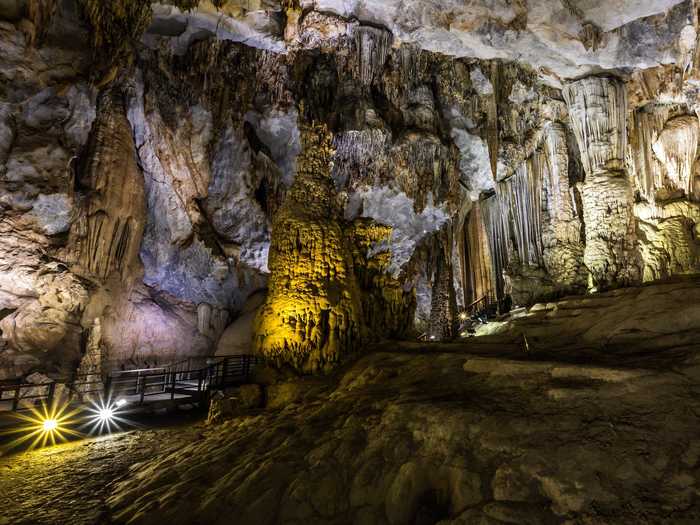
<point>105,416</point>
<point>44,425</point>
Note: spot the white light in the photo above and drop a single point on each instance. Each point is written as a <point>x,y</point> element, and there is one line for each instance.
<point>50,424</point>
<point>120,403</point>
<point>106,414</point>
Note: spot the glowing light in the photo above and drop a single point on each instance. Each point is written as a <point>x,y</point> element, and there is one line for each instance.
<point>105,416</point>
<point>463,316</point>
<point>43,425</point>
<point>49,425</point>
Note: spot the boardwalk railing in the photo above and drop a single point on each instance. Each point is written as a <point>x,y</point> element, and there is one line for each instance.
<point>184,381</point>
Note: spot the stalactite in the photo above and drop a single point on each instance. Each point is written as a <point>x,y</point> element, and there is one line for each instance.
<point>597,108</point>
<point>359,155</point>
<point>108,235</point>
<point>372,46</point>
<point>423,165</point>
<point>211,321</point>
<point>647,123</point>
<point>477,270</point>
<point>520,198</point>
<point>492,131</point>
<point>496,225</point>
<point>677,148</point>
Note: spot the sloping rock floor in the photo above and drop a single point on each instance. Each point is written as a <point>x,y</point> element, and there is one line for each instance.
<point>594,420</point>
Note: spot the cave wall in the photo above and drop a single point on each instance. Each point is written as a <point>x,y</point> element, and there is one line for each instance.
<point>147,153</point>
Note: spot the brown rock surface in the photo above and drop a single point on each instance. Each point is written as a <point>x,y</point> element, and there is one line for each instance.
<point>477,432</point>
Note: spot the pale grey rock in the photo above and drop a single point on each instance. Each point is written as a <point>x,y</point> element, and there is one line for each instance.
<point>482,84</point>
<point>474,162</point>
<point>488,29</point>
<point>279,131</point>
<point>53,213</point>
<point>175,261</point>
<point>236,215</point>
<point>259,29</point>
<point>394,208</point>
<point>237,338</point>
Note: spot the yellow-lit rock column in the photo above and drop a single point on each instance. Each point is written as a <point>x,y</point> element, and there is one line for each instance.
<point>312,315</point>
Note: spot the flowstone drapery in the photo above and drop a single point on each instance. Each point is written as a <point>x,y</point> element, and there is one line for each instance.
<point>598,112</point>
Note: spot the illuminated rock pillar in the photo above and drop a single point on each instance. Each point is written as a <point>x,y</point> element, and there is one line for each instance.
<point>313,314</point>
<point>598,114</point>
<point>108,233</point>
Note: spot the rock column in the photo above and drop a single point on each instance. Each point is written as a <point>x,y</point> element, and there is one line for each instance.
<point>313,313</point>
<point>597,110</point>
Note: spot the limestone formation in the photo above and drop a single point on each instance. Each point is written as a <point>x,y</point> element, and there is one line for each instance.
<point>597,107</point>
<point>156,218</point>
<point>92,369</point>
<point>458,242</point>
<point>312,316</point>
<point>108,235</point>
<point>677,149</point>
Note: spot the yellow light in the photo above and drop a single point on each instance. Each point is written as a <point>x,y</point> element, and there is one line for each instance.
<point>50,425</point>
<point>463,316</point>
<point>43,425</point>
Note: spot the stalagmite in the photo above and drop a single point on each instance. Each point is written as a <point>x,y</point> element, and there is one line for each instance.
<point>561,228</point>
<point>597,108</point>
<point>372,49</point>
<point>92,365</point>
<point>312,316</point>
<point>443,305</point>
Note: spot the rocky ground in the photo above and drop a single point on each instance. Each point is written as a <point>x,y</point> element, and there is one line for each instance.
<point>575,428</point>
<point>69,483</point>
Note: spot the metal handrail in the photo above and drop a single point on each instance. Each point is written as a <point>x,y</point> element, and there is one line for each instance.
<point>226,371</point>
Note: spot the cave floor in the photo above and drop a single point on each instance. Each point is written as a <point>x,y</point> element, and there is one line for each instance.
<point>594,420</point>
<point>68,483</point>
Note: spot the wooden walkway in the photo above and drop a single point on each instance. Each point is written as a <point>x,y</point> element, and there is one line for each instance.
<point>188,381</point>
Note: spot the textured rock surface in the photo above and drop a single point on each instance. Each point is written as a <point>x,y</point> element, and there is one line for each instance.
<point>312,316</point>
<point>432,106</point>
<point>598,110</point>
<point>473,433</point>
